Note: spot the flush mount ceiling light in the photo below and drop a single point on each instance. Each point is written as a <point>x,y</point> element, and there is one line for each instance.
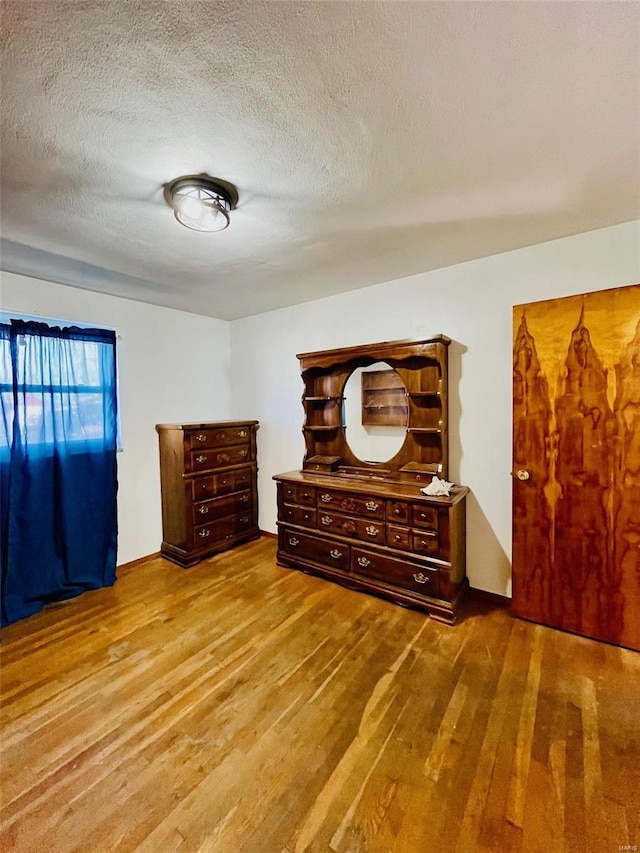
<point>200,202</point>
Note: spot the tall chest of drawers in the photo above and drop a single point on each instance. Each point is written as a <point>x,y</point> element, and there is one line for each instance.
<point>384,538</point>
<point>208,478</point>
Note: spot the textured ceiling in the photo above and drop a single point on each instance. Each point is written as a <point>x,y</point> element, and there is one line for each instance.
<point>368,140</point>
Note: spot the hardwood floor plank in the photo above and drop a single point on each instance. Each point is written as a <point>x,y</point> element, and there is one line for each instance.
<point>520,773</point>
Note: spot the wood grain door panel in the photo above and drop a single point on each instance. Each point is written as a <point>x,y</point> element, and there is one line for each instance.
<point>576,464</point>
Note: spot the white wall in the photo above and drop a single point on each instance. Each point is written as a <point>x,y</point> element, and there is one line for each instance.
<point>472,304</point>
<point>172,367</point>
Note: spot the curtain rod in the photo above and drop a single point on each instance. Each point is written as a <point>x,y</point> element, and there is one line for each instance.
<point>57,321</point>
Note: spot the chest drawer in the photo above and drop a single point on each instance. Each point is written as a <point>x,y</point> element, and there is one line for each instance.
<point>394,571</point>
<point>371,507</point>
<point>425,516</point>
<point>221,437</point>
<point>303,515</point>
<point>316,549</point>
<point>220,484</point>
<point>347,525</point>
<point>224,528</point>
<point>204,460</point>
<point>219,507</point>
<point>298,494</point>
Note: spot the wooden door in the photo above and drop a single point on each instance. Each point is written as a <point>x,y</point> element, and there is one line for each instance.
<point>576,464</point>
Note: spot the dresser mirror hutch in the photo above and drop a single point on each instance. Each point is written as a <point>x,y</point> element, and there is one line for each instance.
<point>376,433</point>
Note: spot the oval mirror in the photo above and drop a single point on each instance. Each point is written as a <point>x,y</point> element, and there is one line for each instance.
<point>376,412</point>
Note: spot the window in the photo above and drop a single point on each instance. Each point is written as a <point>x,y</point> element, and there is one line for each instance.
<point>63,380</point>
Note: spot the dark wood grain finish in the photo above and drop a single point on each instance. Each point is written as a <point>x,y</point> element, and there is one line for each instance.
<point>209,488</point>
<point>381,505</point>
<point>384,399</point>
<point>379,519</point>
<point>394,571</point>
<point>576,498</point>
<point>421,366</point>
<point>339,500</point>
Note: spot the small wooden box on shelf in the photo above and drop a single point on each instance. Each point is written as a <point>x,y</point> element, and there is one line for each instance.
<point>368,525</point>
<point>208,478</point>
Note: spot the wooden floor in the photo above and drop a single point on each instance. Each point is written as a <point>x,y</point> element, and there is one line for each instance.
<point>238,706</point>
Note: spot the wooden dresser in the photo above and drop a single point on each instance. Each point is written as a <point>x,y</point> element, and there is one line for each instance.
<point>379,537</point>
<point>208,477</point>
<point>367,524</point>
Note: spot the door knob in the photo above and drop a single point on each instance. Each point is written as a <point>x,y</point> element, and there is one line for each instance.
<point>522,474</point>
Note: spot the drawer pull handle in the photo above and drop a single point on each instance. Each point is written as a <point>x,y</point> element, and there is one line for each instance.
<point>293,541</point>
<point>362,561</point>
<point>325,498</point>
<point>201,437</point>
<point>326,520</point>
<point>335,554</point>
<point>397,511</point>
<point>201,458</point>
<point>243,453</point>
<point>420,578</point>
<point>224,482</point>
<point>203,510</point>
<point>372,531</point>
<point>372,506</point>
<point>244,519</point>
<point>204,533</point>
<point>242,434</point>
<point>244,498</point>
<point>398,538</point>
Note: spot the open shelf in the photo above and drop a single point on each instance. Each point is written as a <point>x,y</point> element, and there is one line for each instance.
<point>384,399</point>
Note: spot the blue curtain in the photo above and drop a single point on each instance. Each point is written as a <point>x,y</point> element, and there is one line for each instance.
<point>58,470</point>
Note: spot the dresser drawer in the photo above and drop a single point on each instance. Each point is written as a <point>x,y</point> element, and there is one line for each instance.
<point>349,525</point>
<point>204,460</point>
<point>223,528</point>
<point>425,542</point>
<point>398,511</point>
<point>371,507</point>
<point>399,537</point>
<point>206,511</point>
<point>425,516</point>
<point>303,515</point>
<point>220,437</point>
<point>220,484</point>
<point>394,571</point>
<point>299,494</point>
<point>316,549</point>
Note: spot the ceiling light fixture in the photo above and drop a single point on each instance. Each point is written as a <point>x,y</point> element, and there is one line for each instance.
<point>200,202</point>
